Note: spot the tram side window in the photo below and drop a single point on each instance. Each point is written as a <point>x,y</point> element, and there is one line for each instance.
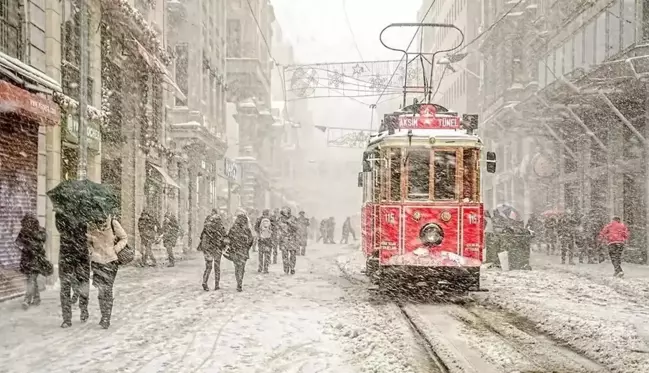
<point>395,174</point>
<point>418,174</point>
<point>445,167</point>
<point>471,177</point>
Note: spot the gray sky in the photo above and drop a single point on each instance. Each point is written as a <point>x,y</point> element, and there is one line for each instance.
<point>319,33</point>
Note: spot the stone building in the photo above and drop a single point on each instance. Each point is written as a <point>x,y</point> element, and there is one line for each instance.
<point>249,68</point>
<point>38,131</point>
<point>565,103</point>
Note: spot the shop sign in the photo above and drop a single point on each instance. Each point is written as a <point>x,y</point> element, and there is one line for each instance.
<point>92,132</point>
<point>232,169</point>
<point>16,99</point>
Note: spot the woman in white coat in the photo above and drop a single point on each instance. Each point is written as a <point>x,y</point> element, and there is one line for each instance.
<point>105,238</point>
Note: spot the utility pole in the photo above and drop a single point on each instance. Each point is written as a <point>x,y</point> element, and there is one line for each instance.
<point>82,170</point>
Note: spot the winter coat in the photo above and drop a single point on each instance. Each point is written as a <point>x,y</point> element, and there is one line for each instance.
<point>614,232</point>
<point>106,241</point>
<point>170,231</point>
<point>303,227</point>
<point>241,240</point>
<point>31,241</point>
<point>347,226</point>
<point>147,225</point>
<point>213,236</point>
<point>74,243</point>
<point>266,242</point>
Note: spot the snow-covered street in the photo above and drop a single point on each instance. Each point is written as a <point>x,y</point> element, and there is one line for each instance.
<point>164,322</point>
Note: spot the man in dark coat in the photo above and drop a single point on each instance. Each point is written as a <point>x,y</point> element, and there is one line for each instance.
<point>170,234</point>
<point>264,230</point>
<point>33,259</point>
<point>240,241</point>
<point>289,235</point>
<point>212,245</point>
<point>148,228</point>
<point>74,266</point>
<point>274,219</point>
<point>303,232</point>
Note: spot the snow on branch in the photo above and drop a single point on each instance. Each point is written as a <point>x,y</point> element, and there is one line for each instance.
<point>152,39</point>
<point>68,103</point>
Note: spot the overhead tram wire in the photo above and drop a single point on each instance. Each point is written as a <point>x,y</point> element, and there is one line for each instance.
<point>277,65</point>
<point>408,47</point>
<point>351,31</point>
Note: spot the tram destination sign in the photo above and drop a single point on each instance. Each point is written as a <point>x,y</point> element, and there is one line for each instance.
<point>429,119</point>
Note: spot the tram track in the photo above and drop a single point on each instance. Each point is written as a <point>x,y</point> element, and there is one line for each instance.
<point>466,337</point>
<point>424,341</point>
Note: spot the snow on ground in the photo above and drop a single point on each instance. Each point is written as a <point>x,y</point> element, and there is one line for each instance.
<point>587,314</point>
<point>164,322</point>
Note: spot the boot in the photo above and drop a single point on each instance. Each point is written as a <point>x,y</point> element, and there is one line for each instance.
<point>66,324</point>
<point>104,323</point>
<point>84,316</point>
<point>205,287</point>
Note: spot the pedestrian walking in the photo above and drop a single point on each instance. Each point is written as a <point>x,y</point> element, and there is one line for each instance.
<point>147,225</point>
<point>170,234</point>
<point>74,266</point>
<point>264,229</point>
<point>274,220</point>
<point>289,240</point>
<point>347,230</point>
<point>33,259</point>
<point>331,229</point>
<point>323,231</point>
<point>615,234</point>
<point>106,238</point>
<point>240,241</point>
<point>303,232</point>
<point>212,245</point>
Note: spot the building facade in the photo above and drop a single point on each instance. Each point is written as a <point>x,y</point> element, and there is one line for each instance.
<point>249,67</point>
<point>457,86</point>
<point>39,127</point>
<point>565,103</point>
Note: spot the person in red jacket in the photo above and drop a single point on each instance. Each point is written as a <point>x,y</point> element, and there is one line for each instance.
<point>615,234</point>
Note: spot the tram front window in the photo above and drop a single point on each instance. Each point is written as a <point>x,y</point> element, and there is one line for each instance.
<point>418,174</point>
<point>445,166</point>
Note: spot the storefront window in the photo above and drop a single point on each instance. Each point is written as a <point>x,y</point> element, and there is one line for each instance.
<point>614,28</point>
<point>471,177</point>
<point>628,22</point>
<point>589,45</point>
<point>418,174</point>
<point>558,62</point>
<point>445,167</point>
<point>579,49</point>
<point>395,174</point>
<point>600,39</point>
<point>549,72</point>
<point>567,56</point>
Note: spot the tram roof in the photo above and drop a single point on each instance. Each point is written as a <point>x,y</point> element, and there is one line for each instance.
<point>429,137</point>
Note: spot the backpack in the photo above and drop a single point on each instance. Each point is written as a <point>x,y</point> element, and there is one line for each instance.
<point>265,229</point>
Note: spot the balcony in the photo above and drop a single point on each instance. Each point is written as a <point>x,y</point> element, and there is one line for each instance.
<point>247,77</point>
<point>189,128</point>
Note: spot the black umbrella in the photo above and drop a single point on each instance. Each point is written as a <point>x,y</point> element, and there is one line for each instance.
<point>86,200</point>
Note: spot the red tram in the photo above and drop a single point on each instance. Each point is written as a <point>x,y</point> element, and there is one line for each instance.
<point>422,214</point>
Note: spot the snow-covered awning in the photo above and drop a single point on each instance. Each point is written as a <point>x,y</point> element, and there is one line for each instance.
<point>155,63</point>
<point>165,176</point>
<point>27,72</point>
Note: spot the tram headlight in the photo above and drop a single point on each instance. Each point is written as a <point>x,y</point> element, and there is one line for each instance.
<point>431,234</point>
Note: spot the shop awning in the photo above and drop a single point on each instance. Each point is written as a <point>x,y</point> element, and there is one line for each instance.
<point>167,179</point>
<point>154,62</point>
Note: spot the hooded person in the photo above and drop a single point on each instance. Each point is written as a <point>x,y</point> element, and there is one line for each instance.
<point>303,232</point>
<point>274,219</point>
<point>264,230</point>
<point>148,226</point>
<point>33,259</point>
<point>289,240</point>
<point>212,244</point>
<point>170,234</point>
<point>240,240</point>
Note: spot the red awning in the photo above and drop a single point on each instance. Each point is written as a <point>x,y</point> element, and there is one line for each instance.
<point>23,102</point>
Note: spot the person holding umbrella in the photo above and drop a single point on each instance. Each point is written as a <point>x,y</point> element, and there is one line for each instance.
<point>74,265</point>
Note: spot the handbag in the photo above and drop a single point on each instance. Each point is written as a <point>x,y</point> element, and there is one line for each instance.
<point>127,254</point>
